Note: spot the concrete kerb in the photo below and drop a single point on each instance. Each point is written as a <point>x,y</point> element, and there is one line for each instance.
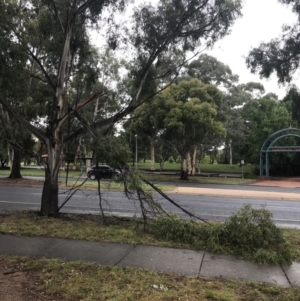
<point>161,259</point>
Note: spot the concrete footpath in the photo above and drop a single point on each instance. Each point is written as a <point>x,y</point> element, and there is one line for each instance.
<point>166,260</point>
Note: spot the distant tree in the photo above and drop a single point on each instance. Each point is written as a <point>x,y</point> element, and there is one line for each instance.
<point>231,110</point>
<point>148,121</point>
<point>211,71</point>
<point>293,97</point>
<point>191,118</point>
<point>264,117</point>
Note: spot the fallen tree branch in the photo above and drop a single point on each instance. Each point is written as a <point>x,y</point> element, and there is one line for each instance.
<point>173,202</point>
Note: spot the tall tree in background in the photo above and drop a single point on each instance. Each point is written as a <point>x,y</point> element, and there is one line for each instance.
<point>235,98</point>
<point>15,83</point>
<point>211,71</point>
<point>190,119</point>
<point>53,33</point>
<point>264,117</point>
<point>149,121</point>
<point>293,98</point>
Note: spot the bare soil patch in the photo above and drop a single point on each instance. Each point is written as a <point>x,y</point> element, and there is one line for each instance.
<point>18,284</point>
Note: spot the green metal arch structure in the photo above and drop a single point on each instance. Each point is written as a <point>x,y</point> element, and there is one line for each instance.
<point>269,146</point>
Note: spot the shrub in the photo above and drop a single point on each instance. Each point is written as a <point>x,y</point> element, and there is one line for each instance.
<point>253,234</point>
<point>171,227</point>
<point>250,233</point>
<point>171,159</point>
<point>178,159</point>
<point>205,160</point>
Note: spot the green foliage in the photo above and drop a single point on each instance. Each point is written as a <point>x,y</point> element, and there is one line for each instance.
<point>211,71</point>
<point>265,116</point>
<point>111,150</point>
<point>250,233</point>
<point>171,227</point>
<point>205,160</point>
<point>178,159</point>
<point>133,181</point>
<point>171,160</point>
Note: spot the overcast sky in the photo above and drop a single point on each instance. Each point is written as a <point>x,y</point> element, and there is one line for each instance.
<point>261,21</point>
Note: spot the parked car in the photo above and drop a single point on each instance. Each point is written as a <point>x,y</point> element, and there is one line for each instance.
<point>103,172</point>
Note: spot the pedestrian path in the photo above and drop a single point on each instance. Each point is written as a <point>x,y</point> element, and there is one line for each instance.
<point>161,259</point>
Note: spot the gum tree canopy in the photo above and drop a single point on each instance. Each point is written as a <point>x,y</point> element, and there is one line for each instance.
<point>53,33</point>
<point>281,55</point>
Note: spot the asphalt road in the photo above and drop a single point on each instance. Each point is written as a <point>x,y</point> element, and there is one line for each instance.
<point>285,213</point>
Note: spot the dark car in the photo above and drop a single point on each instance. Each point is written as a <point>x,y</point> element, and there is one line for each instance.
<point>103,172</point>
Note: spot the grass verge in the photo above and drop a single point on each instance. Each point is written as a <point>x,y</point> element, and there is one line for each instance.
<point>111,185</point>
<point>84,281</point>
<point>90,227</point>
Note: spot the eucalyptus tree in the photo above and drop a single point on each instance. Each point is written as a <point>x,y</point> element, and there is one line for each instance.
<point>292,99</point>
<point>97,71</point>
<point>191,117</point>
<point>234,120</point>
<point>53,32</point>
<point>264,117</point>
<point>15,83</point>
<point>148,121</point>
<point>211,71</point>
<point>281,55</point>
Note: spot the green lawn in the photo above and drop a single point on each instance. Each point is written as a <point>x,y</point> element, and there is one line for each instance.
<point>39,172</point>
<point>53,279</point>
<point>148,176</point>
<point>215,168</point>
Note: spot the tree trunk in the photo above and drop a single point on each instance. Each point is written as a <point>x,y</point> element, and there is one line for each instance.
<point>183,172</point>
<point>230,153</point>
<point>76,156</point>
<point>3,162</point>
<point>9,158</point>
<point>49,205</point>
<point>152,153</point>
<point>189,163</point>
<point>194,161</point>
<point>16,165</point>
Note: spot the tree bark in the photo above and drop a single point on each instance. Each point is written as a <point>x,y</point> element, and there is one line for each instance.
<point>189,163</point>
<point>9,158</point>
<point>49,204</point>
<point>152,153</point>
<point>183,172</point>
<point>194,160</point>
<point>16,165</point>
